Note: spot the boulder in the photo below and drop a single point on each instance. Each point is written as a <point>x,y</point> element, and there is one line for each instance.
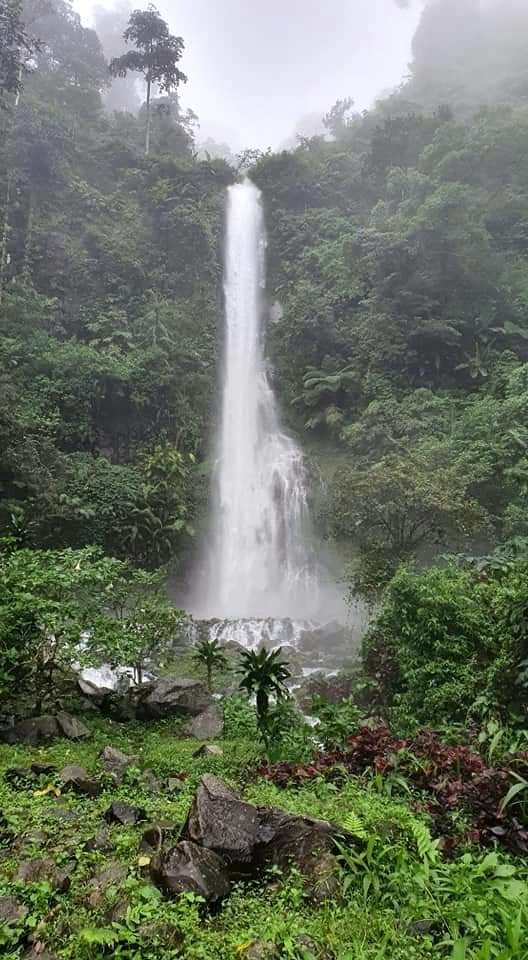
<point>58,812</point>
<point>250,839</point>
<point>44,870</point>
<point>260,950</point>
<point>209,750</point>
<point>220,821</point>
<point>41,729</point>
<point>124,814</point>
<point>208,725</point>
<point>115,762</point>
<point>71,728</point>
<point>188,868</point>
<point>110,875</point>
<point>101,842</point>
<point>155,836</point>
<point>150,782</point>
<point>11,911</point>
<point>170,697</point>
<point>76,779</point>
<point>92,691</point>
<point>287,840</point>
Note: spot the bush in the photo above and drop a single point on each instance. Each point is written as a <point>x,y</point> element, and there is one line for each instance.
<point>444,637</point>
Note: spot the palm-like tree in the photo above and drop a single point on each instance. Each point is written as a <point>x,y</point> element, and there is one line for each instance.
<point>264,673</point>
<point>209,654</point>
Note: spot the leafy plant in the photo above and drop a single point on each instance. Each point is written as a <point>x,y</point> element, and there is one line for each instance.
<point>208,654</point>
<point>264,674</point>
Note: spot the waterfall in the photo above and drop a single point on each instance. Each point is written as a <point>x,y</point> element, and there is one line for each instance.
<point>259,563</point>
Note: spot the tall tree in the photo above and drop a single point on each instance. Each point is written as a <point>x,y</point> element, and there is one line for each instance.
<point>156,56</point>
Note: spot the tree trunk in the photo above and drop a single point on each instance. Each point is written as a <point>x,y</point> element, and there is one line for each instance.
<point>5,231</point>
<point>26,270</point>
<point>147,135</point>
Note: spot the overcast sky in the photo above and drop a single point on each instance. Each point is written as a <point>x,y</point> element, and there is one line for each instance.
<point>255,67</point>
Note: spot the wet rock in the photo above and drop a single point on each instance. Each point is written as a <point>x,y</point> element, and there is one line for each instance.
<point>116,763</point>
<point>124,814</point>
<point>76,779</point>
<point>36,871</point>
<point>188,868</point>
<point>209,750</point>
<point>111,875</point>
<point>330,687</point>
<point>42,729</point>
<point>287,840</point>
<point>222,822</point>
<point>171,697</point>
<point>208,725</point>
<point>11,911</point>
<point>156,835</point>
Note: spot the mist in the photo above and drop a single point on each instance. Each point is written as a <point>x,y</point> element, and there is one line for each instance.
<point>256,69</point>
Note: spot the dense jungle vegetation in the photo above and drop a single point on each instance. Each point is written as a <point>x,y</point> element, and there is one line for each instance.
<point>398,341</point>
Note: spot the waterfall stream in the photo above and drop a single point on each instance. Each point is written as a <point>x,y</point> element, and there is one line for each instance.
<point>260,564</point>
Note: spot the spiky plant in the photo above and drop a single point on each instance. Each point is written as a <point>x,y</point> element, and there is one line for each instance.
<point>209,654</point>
<point>264,673</point>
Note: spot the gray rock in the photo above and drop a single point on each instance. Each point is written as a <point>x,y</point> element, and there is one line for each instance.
<point>110,875</point>
<point>208,725</point>
<point>72,728</point>
<point>38,954</point>
<point>260,950</point>
<point>116,763</point>
<point>61,813</point>
<point>101,842</point>
<point>92,691</point>
<point>287,840</point>
<point>209,750</point>
<point>222,822</point>
<point>76,779</point>
<point>175,784</point>
<point>11,911</point>
<point>170,697</point>
<point>188,868</point>
<point>156,835</point>
<point>150,782</point>
<point>124,814</point>
<point>41,729</point>
<point>36,871</point>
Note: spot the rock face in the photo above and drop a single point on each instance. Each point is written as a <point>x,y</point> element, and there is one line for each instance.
<point>188,868</point>
<point>41,729</point>
<point>208,725</point>
<point>249,839</point>
<point>170,697</point>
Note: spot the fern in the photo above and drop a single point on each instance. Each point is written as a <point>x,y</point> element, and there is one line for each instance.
<point>427,847</point>
<point>352,824</point>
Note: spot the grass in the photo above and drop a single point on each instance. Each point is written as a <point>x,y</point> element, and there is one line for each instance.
<point>396,903</point>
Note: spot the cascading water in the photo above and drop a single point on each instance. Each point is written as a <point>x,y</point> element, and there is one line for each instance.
<point>259,564</point>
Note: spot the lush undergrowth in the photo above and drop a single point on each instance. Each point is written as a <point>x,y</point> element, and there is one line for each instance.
<point>400,897</point>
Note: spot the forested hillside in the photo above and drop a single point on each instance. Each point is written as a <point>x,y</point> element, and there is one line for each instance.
<point>400,262</point>
<point>111,278</point>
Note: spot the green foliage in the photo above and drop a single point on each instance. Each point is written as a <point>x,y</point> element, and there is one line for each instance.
<point>447,630</point>
<point>209,654</point>
<point>264,674</point>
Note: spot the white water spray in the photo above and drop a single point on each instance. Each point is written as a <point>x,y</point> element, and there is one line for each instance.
<point>259,564</point>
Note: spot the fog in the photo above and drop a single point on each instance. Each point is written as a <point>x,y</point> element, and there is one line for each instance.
<point>257,68</point>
